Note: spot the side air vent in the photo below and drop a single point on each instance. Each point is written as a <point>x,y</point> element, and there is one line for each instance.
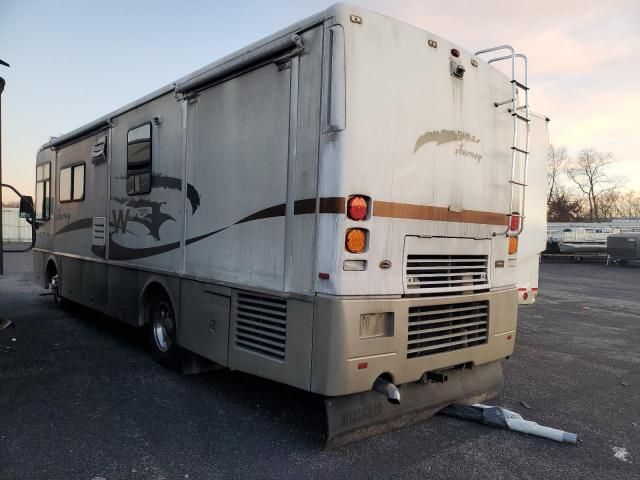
<point>443,328</point>
<point>261,325</point>
<point>98,231</point>
<point>99,150</point>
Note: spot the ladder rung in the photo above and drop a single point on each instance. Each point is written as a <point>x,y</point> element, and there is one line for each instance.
<point>520,117</point>
<point>520,150</point>
<point>518,183</point>
<point>520,85</point>
<point>497,104</point>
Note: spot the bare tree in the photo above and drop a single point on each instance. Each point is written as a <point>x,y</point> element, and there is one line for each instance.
<point>629,205</point>
<point>608,204</point>
<point>590,174</point>
<point>556,161</point>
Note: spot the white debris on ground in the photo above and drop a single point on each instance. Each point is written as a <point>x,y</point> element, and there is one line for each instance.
<point>621,453</point>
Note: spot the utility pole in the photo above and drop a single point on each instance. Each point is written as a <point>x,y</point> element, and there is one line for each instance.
<point>2,83</point>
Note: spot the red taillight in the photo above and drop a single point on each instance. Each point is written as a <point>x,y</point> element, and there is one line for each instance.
<point>514,222</point>
<point>357,208</point>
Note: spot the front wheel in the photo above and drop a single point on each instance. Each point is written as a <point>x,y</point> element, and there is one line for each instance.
<point>162,333</point>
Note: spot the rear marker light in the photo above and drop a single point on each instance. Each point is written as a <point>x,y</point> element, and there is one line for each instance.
<point>525,295</point>
<point>514,222</point>
<point>357,208</point>
<point>355,240</point>
<point>362,365</point>
<point>323,276</point>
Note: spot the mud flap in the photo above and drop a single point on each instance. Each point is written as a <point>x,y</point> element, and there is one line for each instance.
<point>361,415</point>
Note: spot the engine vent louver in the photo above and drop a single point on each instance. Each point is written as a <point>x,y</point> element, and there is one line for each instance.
<point>261,325</point>
<point>446,273</point>
<point>443,328</point>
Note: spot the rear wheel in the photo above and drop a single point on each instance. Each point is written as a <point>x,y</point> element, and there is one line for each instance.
<point>162,332</point>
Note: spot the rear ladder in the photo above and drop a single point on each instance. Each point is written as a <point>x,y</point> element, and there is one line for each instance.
<point>519,153</point>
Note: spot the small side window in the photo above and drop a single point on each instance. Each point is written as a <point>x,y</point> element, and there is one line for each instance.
<point>139,160</point>
<point>43,191</point>
<point>72,183</point>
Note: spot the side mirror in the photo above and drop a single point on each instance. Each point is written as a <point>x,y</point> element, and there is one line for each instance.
<point>26,207</point>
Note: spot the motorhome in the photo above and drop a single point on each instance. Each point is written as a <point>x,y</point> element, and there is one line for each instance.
<point>337,207</point>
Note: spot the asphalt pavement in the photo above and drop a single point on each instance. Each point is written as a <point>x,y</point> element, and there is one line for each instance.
<point>80,398</point>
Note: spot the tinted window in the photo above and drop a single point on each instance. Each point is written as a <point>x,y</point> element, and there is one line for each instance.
<point>72,183</point>
<point>43,191</point>
<point>139,160</point>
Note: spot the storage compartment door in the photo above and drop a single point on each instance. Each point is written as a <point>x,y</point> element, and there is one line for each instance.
<point>237,149</point>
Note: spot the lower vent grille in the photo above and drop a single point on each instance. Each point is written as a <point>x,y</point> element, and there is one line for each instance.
<point>443,328</point>
<point>261,325</point>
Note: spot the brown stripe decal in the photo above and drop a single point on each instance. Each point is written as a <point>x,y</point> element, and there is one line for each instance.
<point>302,207</point>
<point>440,214</point>
<point>332,205</point>
<point>275,211</point>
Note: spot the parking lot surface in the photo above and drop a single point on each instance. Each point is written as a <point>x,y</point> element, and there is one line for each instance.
<point>81,398</point>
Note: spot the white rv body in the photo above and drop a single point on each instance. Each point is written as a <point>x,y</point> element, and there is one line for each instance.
<point>253,161</point>
<point>533,239</point>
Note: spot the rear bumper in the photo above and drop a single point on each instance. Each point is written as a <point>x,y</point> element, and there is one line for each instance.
<point>339,354</point>
<point>354,417</point>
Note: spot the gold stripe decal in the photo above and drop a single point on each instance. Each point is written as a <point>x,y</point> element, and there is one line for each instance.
<point>439,214</point>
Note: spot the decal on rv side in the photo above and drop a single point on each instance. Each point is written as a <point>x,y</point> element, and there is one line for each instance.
<point>440,137</point>
<point>172,183</point>
<point>158,180</point>
<point>138,210</point>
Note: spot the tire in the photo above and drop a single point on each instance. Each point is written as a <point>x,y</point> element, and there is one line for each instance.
<point>162,332</point>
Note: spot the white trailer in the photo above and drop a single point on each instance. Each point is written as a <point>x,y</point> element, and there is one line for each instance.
<point>336,207</point>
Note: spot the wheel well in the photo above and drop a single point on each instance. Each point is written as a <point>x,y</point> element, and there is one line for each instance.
<point>151,291</point>
<point>51,271</point>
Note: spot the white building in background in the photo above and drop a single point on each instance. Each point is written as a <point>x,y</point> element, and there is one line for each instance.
<point>14,228</point>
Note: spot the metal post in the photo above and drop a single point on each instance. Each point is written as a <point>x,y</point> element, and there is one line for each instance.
<point>2,83</point>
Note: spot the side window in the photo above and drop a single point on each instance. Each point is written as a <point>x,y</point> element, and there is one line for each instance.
<point>139,160</point>
<point>72,183</point>
<point>43,191</point>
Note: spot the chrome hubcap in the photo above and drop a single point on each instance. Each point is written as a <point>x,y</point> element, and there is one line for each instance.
<point>163,327</point>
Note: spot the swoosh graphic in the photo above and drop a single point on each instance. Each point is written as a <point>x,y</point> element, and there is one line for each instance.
<point>76,225</point>
<point>120,252</point>
<point>173,183</point>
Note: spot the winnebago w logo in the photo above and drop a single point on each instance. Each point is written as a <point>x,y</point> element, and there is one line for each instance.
<point>142,212</point>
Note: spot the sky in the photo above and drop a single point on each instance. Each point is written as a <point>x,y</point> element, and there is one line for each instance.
<point>74,61</point>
